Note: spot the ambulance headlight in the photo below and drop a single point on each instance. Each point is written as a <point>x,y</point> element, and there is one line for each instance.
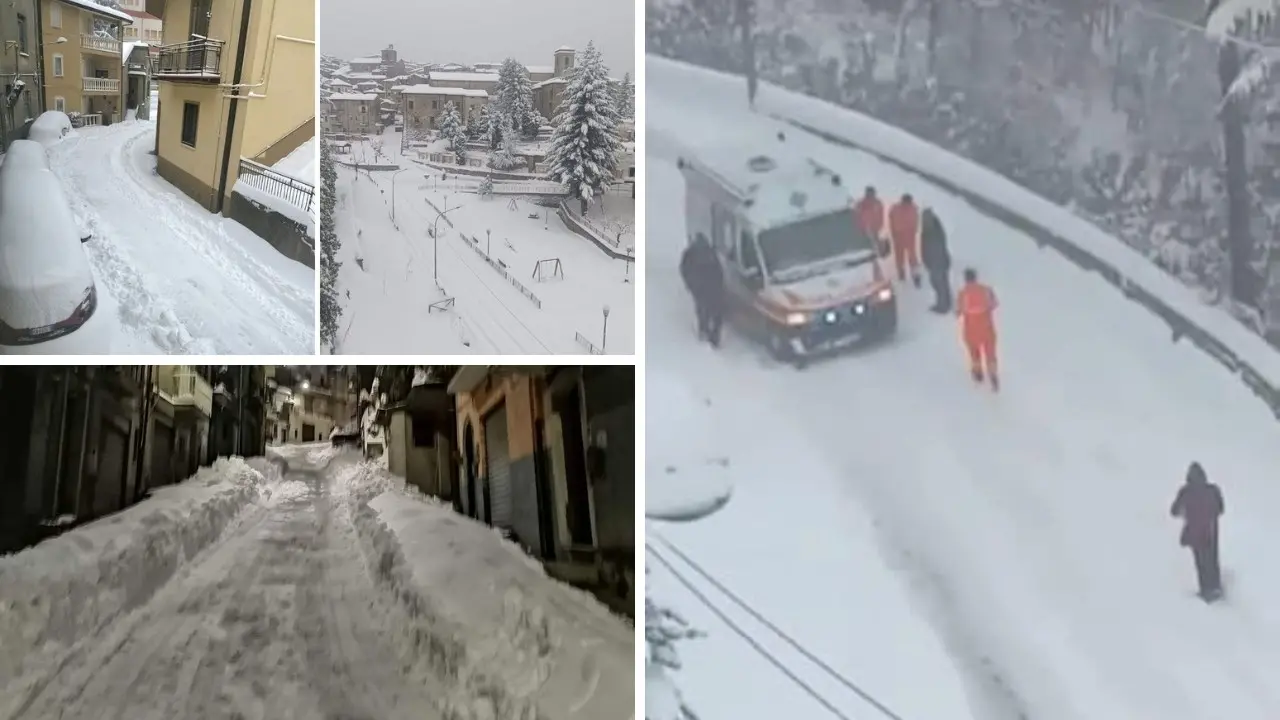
<point>830,317</point>
<point>859,309</point>
<point>884,295</point>
<point>797,318</point>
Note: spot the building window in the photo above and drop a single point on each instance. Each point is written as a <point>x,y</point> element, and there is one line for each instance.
<point>410,104</point>
<point>435,104</point>
<point>55,15</point>
<point>424,433</point>
<point>363,109</point>
<point>60,104</point>
<point>190,123</point>
<point>22,33</point>
<point>57,65</point>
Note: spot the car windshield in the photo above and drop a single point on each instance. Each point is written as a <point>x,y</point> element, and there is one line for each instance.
<point>792,251</point>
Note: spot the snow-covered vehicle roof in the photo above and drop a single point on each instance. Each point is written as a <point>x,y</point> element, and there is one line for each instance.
<point>775,185</point>
<point>47,288</point>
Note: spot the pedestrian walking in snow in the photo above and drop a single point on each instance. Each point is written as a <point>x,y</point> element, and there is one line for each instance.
<point>904,230</point>
<point>936,259</point>
<point>976,306</point>
<point>704,278</point>
<point>1199,503</point>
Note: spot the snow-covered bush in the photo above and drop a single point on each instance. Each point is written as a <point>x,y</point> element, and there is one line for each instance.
<point>486,186</point>
<point>452,130</point>
<point>663,629</point>
<point>505,158</point>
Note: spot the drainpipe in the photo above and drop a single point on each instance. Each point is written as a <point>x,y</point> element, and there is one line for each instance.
<point>246,10</point>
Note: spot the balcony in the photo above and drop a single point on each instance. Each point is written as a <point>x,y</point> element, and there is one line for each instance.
<point>102,86</point>
<point>192,391</point>
<point>105,45</point>
<point>194,61</point>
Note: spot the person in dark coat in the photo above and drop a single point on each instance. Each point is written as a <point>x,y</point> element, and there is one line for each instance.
<point>704,279</point>
<point>936,259</point>
<point>1199,503</point>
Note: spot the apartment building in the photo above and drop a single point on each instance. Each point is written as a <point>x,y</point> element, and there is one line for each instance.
<point>353,112</point>
<point>237,80</point>
<point>83,61</point>
<point>146,28</point>
<point>423,106</point>
<point>312,402</point>
<point>21,71</point>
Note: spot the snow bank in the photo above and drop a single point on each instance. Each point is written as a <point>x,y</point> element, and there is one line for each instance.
<point>277,204</point>
<point>63,589</point>
<point>485,624</point>
<point>1086,245</point>
<point>50,127</point>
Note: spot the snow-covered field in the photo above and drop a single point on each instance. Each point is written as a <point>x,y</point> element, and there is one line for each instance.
<point>314,587</point>
<point>184,281</point>
<point>1011,553</point>
<point>387,304</point>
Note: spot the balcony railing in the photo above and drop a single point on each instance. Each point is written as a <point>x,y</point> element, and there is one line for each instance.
<point>102,85</point>
<point>291,190</point>
<point>194,60</point>
<point>100,44</point>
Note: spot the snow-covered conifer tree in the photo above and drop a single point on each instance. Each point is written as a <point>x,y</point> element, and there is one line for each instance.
<point>513,95</point>
<point>625,94</point>
<point>478,123</point>
<point>494,134</point>
<point>505,158</point>
<point>452,130</point>
<point>585,147</point>
<point>330,311</point>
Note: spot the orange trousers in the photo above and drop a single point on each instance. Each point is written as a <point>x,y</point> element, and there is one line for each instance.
<point>904,256</point>
<point>981,346</point>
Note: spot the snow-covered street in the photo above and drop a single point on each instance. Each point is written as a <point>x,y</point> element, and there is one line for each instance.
<point>1013,554</point>
<point>183,280</point>
<point>296,588</point>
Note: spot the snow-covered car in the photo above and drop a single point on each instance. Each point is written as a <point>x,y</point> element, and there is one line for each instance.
<point>48,299</point>
<point>800,274</point>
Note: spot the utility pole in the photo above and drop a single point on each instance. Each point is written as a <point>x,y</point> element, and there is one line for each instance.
<point>604,333</point>
<point>747,21</point>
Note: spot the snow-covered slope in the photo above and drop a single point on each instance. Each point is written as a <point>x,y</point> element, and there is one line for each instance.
<point>1030,528</point>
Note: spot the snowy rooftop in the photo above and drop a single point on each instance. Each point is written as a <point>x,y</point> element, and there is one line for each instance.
<point>102,10</point>
<point>464,77</point>
<point>550,81</point>
<point>541,68</point>
<point>779,187</point>
<point>375,60</point>
<point>340,83</point>
<point>350,96</point>
<point>565,48</point>
<point>433,90</point>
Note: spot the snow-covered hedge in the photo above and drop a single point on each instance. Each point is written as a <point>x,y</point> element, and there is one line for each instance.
<point>486,629</point>
<point>1232,344</point>
<point>68,587</point>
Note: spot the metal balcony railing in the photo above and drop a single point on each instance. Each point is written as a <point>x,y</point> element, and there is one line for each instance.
<point>194,60</point>
<point>291,190</point>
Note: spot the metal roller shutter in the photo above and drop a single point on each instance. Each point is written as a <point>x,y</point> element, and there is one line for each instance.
<point>498,463</point>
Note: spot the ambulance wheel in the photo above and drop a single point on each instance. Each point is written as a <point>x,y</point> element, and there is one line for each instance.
<point>778,349</point>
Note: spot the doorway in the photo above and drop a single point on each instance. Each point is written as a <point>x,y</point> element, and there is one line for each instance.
<point>469,468</point>
<point>569,406</point>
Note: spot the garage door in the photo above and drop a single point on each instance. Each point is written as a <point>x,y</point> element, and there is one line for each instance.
<point>497,458</point>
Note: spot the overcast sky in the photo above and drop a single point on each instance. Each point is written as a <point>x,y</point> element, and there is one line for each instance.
<point>469,31</point>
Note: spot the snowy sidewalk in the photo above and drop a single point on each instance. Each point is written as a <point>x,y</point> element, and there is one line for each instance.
<point>186,281</point>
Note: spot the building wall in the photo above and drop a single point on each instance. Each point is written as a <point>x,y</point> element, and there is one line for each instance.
<point>196,170</point>
<point>25,66</point>
<point>348,118</point>
<point>426,110</point>
<point>283,71</point>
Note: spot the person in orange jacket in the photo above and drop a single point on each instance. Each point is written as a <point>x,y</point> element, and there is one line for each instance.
<point>870,213</point>
<point>976,306</point>
<point>904,230</point>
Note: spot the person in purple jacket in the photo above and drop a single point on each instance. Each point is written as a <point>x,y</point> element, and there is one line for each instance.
<point>1199,503</point>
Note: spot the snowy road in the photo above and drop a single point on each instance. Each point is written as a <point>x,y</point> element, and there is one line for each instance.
<point>278,620</point>
<point>1031,528</point>
<point>186,281</point>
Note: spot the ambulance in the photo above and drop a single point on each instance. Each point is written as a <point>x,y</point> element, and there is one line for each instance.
<point>800,275</point>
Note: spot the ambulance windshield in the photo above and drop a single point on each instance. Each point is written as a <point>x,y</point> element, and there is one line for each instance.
<point>793,252</point>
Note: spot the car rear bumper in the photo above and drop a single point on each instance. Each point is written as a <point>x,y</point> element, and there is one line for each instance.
<point>95,337</point>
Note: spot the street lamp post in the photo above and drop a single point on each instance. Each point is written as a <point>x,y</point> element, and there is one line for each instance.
<point>394,175</point>
<point>604,333</point>
<point>488,242</point>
